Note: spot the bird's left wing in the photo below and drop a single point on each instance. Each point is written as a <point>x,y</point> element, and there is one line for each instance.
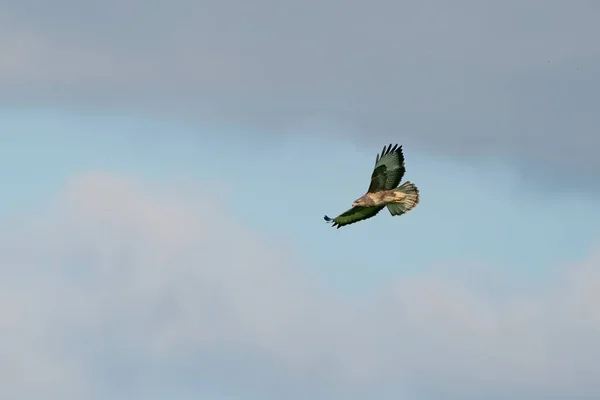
<point>353,215</point>
<point>389,169</point>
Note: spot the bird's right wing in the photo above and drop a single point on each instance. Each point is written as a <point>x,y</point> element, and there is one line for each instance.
<point>353,215</point>
<point>389,169</point>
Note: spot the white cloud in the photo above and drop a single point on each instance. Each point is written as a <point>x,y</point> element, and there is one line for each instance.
<point>121,289</point>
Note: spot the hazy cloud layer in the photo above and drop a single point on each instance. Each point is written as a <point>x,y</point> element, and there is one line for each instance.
<point>117,290</point>
<point>515,79</point>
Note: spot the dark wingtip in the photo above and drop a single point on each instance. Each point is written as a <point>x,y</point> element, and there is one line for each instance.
<point>334,225</point>
<point>387,149</point>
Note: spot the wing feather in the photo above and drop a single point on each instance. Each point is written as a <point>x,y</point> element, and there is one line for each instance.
<point>389,169</point>
<point>353,215</point>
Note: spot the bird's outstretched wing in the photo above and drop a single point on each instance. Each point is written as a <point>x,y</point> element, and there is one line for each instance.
<point>389,169</point>
<point>353,215</point>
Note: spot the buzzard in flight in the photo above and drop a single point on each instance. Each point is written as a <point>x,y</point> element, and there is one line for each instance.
<point>383,191</point>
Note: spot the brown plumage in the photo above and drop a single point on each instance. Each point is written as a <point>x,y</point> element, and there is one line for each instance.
<point>383,190</point>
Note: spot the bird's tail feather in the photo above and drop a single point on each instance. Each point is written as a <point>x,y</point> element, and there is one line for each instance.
<point>408,199</point>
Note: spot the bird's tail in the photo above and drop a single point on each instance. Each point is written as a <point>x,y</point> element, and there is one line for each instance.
<point>408,198</point>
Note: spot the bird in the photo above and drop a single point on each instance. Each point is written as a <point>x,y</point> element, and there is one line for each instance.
<point>383,190</point>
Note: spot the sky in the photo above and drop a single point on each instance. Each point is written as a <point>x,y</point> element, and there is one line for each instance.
<point>166,168</point>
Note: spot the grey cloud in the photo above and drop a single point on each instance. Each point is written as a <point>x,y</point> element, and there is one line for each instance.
<point>515,79</point>
<point>141,294</point>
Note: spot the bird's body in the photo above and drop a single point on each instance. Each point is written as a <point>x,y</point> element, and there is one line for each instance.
<point>383,197</point>
<point>383,191</point>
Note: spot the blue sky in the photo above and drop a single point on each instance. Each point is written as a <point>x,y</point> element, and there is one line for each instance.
<point>471,212</point>
<point>166,169</point>
<point>479,231</point>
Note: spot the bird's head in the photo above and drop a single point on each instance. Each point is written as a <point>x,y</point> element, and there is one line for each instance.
<point>358,202</point>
